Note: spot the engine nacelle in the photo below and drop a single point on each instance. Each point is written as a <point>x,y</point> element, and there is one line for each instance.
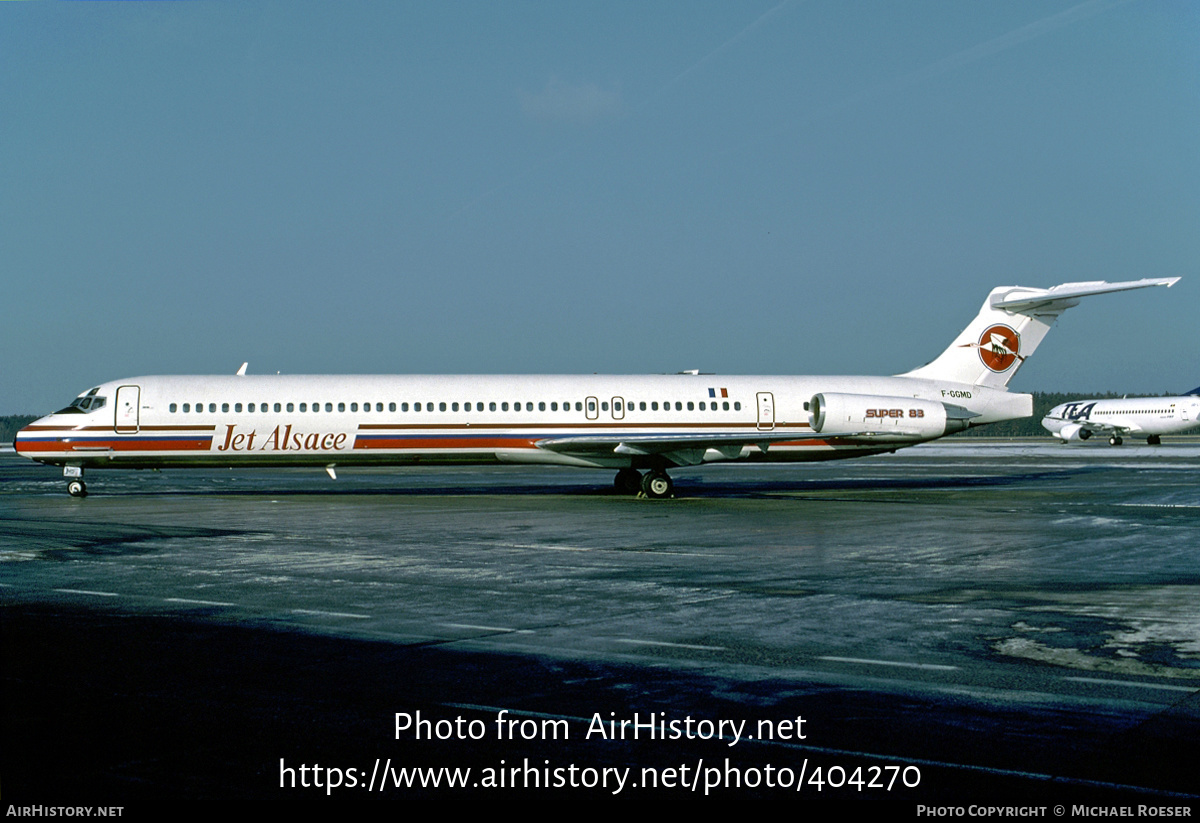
<point>905,418</point>
<point>1073,431</point>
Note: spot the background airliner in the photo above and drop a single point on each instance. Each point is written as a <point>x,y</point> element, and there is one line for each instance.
<point>1148,417</point>
<point>634,424</point>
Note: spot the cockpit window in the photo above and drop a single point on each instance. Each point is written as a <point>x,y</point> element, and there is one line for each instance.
<point>84,403</point>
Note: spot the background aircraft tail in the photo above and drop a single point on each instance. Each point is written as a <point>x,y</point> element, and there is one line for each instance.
<point>1008,329</point>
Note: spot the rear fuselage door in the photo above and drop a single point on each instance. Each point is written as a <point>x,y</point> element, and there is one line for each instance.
<point>126,409</point>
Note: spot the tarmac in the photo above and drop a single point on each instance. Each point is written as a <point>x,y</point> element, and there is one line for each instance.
<point>963,624</point>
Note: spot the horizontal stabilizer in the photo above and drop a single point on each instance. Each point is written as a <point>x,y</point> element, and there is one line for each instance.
<point>1053,300</point>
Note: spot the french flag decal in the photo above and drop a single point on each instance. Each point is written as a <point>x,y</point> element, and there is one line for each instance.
<point>713,392</point>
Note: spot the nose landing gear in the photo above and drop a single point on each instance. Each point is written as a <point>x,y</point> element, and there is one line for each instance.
<point>75,485</point>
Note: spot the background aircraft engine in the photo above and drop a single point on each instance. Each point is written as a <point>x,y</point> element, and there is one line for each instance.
<point>902,417</point>
<point>1074,431</point>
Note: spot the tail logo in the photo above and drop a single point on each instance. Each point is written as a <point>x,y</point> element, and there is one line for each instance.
<point>999,347</point>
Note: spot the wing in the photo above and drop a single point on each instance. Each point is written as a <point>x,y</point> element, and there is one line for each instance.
<point>689,449</point>
<point>681,449</point>
<point>1106,428</point>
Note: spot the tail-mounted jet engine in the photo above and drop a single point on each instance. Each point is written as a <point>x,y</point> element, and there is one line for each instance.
<point>883,417</point>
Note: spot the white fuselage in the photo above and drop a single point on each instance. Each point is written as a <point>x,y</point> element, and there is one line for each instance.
<point>1142,417</point>
<point>628,422</point>
<point>590,420</point>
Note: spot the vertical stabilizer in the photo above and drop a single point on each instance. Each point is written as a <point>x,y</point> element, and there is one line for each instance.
<point>1009,327</point>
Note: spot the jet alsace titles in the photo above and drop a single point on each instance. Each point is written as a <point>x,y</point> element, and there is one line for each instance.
<point>640,425</point>
<point>1148,417</point>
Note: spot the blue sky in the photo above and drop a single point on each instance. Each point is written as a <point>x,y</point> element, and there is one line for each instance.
<point>739,187</point>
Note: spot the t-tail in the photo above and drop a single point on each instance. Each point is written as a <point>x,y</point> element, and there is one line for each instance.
<point>1010,326</point>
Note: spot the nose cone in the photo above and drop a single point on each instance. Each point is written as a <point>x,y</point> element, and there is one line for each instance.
<point>1053,421</point>
<point>26,440</point>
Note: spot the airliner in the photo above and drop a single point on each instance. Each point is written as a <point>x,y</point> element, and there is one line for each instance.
<point>1143,417</point>
<point>641,426</point>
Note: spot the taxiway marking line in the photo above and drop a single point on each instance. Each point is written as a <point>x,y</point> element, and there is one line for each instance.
<point>897,663</point>
<point>197,602</point>
<point>486,628</point>
<point>86,591</point>
<point>320,613</point>
<point>635,642</point>
<point>1134,684</point>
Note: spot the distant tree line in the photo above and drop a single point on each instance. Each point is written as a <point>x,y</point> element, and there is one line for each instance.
<point>10,424</point>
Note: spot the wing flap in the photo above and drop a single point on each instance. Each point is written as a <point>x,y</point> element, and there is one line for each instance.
<point>682,449</point>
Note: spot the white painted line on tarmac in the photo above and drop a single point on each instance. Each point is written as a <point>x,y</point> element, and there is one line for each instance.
<point>635,642</point>
<point>897,663</point>
<point>1133,684</point>
<point>319,613</point>
<point>470,627</point>
<point>197,602</point>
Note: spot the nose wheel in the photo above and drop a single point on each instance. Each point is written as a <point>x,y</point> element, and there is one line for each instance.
<point>74,478</point>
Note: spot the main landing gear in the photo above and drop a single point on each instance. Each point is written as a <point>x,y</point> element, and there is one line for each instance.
<point>655,484</point>
<point>1115,440</point>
